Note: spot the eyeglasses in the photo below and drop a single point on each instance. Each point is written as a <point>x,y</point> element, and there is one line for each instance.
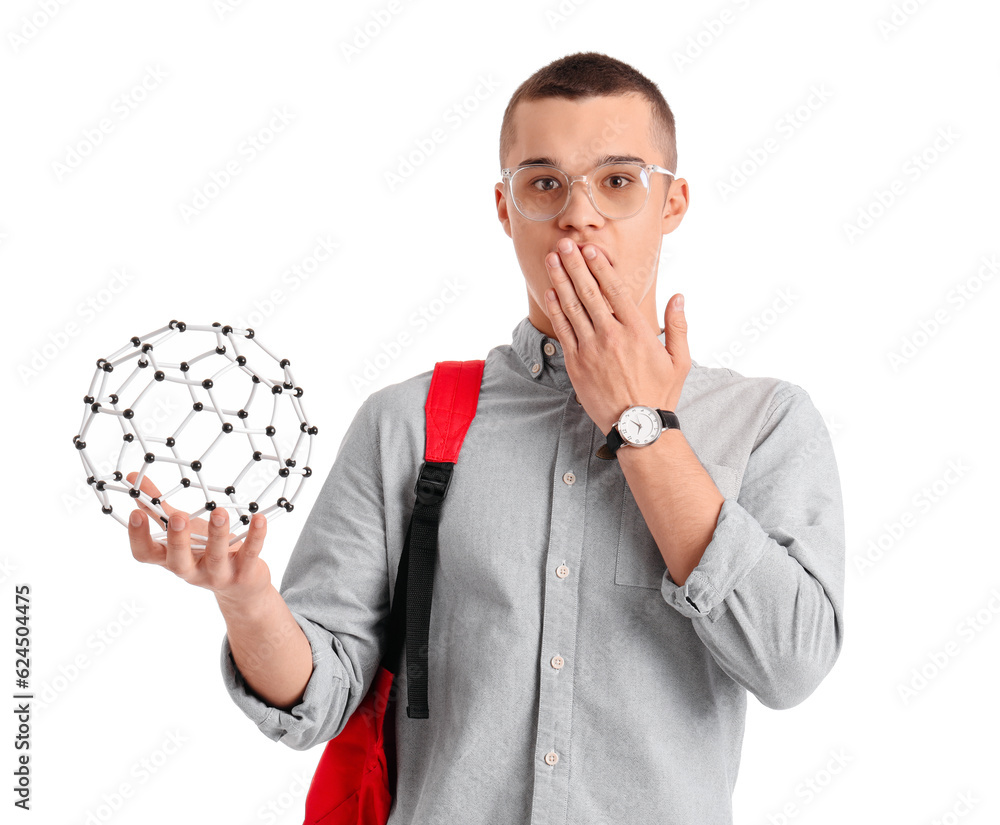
<point>541,192</point>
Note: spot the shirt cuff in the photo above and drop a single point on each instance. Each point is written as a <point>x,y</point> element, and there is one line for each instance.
<point>736,546</point>
<point>325,690</point>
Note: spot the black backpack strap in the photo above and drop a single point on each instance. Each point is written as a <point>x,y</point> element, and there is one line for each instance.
<point>450,408</point>
<point>421,536</point>
<point>423,541</point>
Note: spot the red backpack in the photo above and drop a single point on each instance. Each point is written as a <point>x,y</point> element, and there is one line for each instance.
<point>355,779</point>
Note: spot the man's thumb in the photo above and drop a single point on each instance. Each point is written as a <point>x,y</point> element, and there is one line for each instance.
<point>675,325</point>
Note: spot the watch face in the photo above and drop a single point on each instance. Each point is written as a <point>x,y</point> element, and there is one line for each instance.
<point>639,425</point>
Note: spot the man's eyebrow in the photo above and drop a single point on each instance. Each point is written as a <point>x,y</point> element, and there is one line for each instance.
<point>537,162</point>
<point>546,161</point>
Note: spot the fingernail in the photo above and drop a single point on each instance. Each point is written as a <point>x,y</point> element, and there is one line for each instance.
<point>135,519</point>
<point>590,252</point>
<point>258,522</point>
<point>217,519</point>
<point>176,522</point>
<point>680,302</point>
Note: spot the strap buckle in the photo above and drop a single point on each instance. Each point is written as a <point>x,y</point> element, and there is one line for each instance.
<point>433,482</point>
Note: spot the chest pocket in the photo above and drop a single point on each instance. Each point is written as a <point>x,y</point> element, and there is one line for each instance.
<point>639,562</point>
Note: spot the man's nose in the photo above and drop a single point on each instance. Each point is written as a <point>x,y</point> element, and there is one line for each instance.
<point>580,211</point>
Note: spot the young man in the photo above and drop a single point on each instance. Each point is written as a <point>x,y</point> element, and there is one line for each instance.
<point>600,608</point>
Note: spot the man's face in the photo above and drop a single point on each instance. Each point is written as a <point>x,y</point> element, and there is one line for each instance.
<point>573,135</point>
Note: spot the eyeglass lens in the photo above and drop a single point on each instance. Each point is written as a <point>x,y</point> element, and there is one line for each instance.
<point>619,190</point>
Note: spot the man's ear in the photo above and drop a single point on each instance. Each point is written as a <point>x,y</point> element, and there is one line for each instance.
<point>675,205</point>
<point>502,214</point>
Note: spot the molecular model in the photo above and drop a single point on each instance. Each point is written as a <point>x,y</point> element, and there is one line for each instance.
<point>204,425</point>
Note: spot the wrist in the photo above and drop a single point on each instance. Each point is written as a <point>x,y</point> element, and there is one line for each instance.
<point>638,426</point>
<point>666,442</point>
<point>246,606</point>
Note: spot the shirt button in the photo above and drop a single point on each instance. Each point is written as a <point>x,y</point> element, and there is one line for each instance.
<point>557,662</point>
<point>535,368</point>
<point>569,478</point>
<point>551,758</point>
<point>550,348</point>
<point>562,571</point>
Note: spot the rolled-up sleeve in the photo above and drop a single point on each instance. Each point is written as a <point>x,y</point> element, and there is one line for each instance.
<point>767,596</point>
<point>336,586</point>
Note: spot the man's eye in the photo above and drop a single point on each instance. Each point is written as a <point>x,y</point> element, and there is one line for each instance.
<point>545,184</point>
<point>616,181</point>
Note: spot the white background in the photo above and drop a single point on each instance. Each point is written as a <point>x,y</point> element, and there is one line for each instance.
<point>894,79</point>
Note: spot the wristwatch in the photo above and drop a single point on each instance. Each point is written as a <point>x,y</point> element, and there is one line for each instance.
<point>638,426</point>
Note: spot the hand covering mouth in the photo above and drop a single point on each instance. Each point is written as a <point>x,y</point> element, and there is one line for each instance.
<point>603,251</point>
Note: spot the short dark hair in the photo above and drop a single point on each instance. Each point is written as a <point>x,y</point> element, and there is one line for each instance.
<point>589,74</point>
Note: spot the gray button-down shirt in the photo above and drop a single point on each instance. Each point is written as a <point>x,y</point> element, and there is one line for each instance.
<point>571,680</point>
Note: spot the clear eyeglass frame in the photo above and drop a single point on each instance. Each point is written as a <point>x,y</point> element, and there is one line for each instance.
<point>648,168</point>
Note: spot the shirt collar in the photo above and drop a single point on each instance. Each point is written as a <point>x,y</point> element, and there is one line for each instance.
<point>541,355</point>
